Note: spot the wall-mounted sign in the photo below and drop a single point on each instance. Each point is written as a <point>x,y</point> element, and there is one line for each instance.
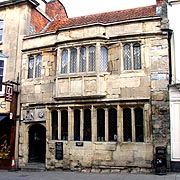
<point>59,150</point>
<point>79,143</point>
<point>4,106</point>
<point>8,92</point>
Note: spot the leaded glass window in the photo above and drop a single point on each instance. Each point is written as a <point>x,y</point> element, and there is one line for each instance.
<point>92,58</point>
<point>139,128</point>
<point>103,59</point>
<point>77,125</point>
<point>87,125</point>
<point>54,119</point>
<point>31,67</point>
<point>100,124</point>
<point>127,57</point>
<point>137,56</point>
<point>127,125</point>
<point>38,65</point>
<point>132,56</point>
<point>64,125</point>
<point>82,61</point>
<point>73,60</point>
<point>64,61</point>
<point>112,124</point>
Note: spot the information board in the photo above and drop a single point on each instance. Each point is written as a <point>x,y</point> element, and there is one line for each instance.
<point>59,150</point>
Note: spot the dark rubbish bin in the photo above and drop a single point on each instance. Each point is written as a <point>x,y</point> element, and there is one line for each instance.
<point>161,160</point>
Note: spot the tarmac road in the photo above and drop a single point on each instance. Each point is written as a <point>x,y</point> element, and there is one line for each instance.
<point>68,175</point>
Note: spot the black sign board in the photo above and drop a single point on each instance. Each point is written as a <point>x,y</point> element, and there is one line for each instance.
<point>79,143</point>
<point>59,150</point>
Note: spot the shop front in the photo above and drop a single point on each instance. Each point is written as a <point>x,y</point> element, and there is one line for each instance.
<point>5,134</point>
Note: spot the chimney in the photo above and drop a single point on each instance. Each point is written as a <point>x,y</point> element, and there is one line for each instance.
<point>159,2</point>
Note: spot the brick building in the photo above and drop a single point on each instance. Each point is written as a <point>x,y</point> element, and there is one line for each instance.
<point>94,89</point>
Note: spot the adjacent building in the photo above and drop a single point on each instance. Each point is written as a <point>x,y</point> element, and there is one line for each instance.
<point>16,21</point>
<point>173,8</point>
<point>94,89</point>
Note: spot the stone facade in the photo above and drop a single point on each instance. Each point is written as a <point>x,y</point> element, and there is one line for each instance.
<point>105,95</point>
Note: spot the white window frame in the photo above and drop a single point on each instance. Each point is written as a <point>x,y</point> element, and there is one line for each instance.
<point>4,59</point>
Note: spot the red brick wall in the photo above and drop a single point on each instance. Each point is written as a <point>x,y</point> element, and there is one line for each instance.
<point>55,8</point>
<point>38,21</point>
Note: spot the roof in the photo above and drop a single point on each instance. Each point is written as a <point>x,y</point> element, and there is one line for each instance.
<point>104,18</point>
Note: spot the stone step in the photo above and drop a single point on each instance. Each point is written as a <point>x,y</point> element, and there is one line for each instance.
<point>34,167</point>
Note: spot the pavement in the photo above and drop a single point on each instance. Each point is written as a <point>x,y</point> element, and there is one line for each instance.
<point>69,175</point>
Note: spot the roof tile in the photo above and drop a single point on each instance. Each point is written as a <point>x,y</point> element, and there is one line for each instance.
<point>105,18</point>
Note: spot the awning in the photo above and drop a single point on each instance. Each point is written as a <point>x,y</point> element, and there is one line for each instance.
<point>2,117</point>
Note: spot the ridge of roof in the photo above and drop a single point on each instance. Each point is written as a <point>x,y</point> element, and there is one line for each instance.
<point>104,17</point>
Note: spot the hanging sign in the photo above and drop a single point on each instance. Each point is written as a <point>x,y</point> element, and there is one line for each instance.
<point>8,92</point>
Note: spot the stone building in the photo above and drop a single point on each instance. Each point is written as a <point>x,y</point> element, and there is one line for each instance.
<point>16,21</point>
<point>94,89</point>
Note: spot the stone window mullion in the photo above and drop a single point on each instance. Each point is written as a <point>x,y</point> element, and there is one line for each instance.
<point>81,124</point>
<point>70,124</point>
<point>132,57</point>
<point>94,123</point>
<point>68,64</point>
<point>106,125</point>
<point>59,124</point>
<point>119,124</point>
<point>98,49</point>
<point>133,125</point>
<point>78,58</point>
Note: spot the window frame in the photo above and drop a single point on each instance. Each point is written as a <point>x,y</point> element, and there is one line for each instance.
<point>4,59</point>
<point>131,56</point>
<point>34,70</point>
<point>1,30</point>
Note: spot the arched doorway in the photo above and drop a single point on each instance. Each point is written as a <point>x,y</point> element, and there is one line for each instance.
<point>37,143</point>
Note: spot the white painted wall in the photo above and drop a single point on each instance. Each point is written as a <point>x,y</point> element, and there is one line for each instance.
<point>173,16</point>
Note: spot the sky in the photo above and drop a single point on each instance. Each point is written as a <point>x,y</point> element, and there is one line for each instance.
<point>76,8</point>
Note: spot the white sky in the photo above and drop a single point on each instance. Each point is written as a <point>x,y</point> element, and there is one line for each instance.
<point>84,7</point>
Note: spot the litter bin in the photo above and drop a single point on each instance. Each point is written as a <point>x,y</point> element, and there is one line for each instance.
<point>161,160</point>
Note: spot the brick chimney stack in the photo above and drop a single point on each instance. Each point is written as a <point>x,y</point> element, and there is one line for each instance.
<point>159,2</point>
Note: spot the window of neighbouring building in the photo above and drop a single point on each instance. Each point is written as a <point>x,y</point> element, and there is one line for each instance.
<point>1,73</point>
<point>3,59</point>
<point>132,56</point>
<point>1,30</point>
<point>34,66</point>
